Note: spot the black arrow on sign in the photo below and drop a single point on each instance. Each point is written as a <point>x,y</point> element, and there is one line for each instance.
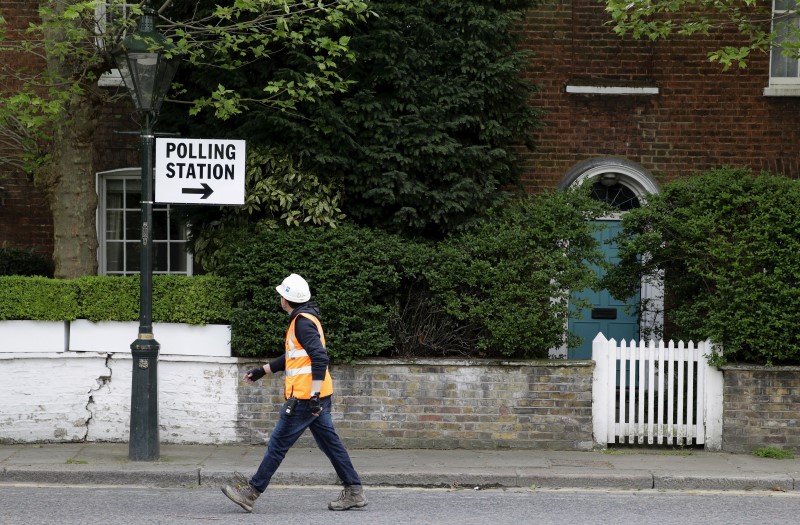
<point>205,191</point>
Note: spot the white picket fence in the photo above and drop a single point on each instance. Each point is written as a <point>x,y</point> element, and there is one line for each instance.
<point>650,393</point>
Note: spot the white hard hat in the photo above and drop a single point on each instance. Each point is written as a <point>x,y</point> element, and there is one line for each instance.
<point>295,289</point>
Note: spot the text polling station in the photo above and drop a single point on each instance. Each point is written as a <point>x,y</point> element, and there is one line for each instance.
<point>200,171</point>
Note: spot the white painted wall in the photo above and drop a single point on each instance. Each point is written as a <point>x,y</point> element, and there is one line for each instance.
<point>44,397</point>
<point>173,338</point>
<point>85,396</point>
<point>33,336</point>
<point>71,395</point>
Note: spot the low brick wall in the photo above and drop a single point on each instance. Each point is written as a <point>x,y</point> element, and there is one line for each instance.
<point>441,404</point>
<point>761,407</point>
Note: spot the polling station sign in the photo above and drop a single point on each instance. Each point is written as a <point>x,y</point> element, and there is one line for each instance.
<point>199,171</point>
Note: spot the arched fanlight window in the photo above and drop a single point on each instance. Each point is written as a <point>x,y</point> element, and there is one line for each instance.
<point>607,188</point>
<point>619,182</point>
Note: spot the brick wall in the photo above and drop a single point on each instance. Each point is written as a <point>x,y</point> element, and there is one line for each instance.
<point>445,405</point>
<point>760,408</point>
<point>378,403</point>
<point>701,118</point>
<point>25,219</point>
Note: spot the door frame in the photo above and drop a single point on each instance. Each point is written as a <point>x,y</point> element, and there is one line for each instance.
<point>642,183</point>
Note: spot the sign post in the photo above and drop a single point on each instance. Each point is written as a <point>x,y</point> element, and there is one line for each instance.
<point>200,171</point>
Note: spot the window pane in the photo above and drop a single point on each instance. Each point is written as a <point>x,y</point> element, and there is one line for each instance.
<point>617,195</point>
<point>160,225</point>
<point>177,257</point>
<point>115,192</point>
<point>780,65</point>
<point>784,5</point>
<point>121,238</point>
<point>133,225</point>
<point>132,259</point>
<point>114,225</point>
<point>160,253</point>
<point>115,256</point>
<point>177,229</point>
<point>133,193</point>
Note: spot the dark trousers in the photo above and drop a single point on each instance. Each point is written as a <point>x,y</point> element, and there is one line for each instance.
<point>288,431</point>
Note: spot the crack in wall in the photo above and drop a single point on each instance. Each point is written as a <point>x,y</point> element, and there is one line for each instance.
<point>100,382</point>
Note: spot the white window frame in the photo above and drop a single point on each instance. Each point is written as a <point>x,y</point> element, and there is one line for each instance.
<point>134,175</point>
<point>782,86</point>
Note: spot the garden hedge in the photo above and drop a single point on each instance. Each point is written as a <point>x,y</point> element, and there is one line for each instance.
<point>727,244</point>
<point>499,289</point>
<point>176,299</point>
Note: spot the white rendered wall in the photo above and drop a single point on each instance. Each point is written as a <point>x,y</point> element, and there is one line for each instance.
<point>45,397</point>
<point>72,396</point>
<point>84,394</point>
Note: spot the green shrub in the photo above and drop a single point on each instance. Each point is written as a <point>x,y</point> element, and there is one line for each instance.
<point>351,274</point>
<point>510,277</point>
<point>202,299</point>
<point>280,192</point>
<point>108,298</point>
<point>176,299</point>
<point>18,261</point>
<point>38,299</point>
<point>499,289</point>
<point>726,243</point>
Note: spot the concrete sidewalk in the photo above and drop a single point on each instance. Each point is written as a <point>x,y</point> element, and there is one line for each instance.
<point>212,465</point>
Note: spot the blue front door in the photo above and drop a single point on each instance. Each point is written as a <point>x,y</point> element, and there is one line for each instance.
<point>607,314</point>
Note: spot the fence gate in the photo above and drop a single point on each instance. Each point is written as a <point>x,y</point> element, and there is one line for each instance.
<point>655,394</point>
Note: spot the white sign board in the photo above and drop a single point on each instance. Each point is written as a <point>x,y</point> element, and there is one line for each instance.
<point>200,171</point>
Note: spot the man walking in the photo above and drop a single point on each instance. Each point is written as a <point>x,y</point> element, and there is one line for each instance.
<point>308,389</point>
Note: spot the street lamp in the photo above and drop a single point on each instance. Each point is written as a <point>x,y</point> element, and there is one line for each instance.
<point>147,63</point>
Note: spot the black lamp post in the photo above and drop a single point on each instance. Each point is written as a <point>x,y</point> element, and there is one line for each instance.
<point>147,63</point>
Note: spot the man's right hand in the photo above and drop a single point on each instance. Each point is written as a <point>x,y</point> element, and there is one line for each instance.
<point>255,374</point>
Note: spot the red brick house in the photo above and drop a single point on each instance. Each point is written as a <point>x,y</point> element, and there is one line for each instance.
<point>633,114</point>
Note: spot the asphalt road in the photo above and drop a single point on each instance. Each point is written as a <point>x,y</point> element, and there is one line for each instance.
<point>70,505</point>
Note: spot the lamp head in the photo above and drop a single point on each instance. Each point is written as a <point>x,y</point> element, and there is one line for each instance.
<point>147,63</point>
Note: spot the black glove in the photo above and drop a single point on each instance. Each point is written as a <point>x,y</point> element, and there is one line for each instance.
<point>256,373</point>
<point>314,405</point>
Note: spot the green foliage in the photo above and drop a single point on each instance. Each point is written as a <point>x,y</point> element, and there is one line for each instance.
<point>424,139</point>
<point>219,38</point>
<point>176,299</point>
<point>663,19</point>
<point>38,299</point>
<point>726,243</point>
<point>249,33</point>
<point>19,261</point>
<point>510,276</point>
<point>773,453</point>
<point>439,107</point>
<point>278,192</point>
<point>349,269</point>
<point>108,298</point>
<point>201,299</point>
<point>498,289</point>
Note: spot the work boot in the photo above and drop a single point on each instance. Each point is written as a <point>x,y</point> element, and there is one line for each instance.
<point>352,496</point>
<point>241,492</point>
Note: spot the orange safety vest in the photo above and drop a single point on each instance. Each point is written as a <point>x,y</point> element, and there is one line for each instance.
<point>298,365</point>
